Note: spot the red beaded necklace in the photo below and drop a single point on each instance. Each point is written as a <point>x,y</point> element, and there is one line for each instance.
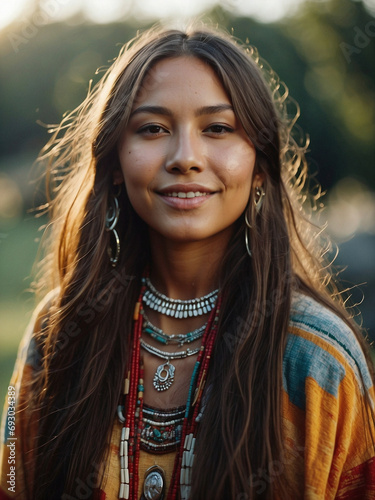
<point>131,406</point>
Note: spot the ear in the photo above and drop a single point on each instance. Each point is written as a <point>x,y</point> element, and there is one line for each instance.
<point>117,177</point>
<point>258,180</point>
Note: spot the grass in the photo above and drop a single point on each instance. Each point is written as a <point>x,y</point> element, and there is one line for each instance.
<point>18,248</point>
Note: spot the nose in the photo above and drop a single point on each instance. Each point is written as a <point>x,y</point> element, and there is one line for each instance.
<point>184,153</point>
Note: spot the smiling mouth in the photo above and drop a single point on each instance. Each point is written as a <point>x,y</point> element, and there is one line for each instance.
<point>189,194</point>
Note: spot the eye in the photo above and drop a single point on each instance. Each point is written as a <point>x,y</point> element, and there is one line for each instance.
<point>151,130</point>
<point>219,129</point>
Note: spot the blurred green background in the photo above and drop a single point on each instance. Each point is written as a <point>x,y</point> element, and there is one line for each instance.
<point>323,50</point>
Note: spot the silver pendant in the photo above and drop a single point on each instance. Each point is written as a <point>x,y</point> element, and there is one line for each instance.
<point>154,483</point>
<point>164,376</point>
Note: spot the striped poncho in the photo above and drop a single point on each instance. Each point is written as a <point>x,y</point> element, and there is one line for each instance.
<point>329,451</point>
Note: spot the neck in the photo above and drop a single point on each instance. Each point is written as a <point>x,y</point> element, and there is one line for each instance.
<point>183,270</point>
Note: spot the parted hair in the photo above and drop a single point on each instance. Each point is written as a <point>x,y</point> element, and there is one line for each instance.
<point>84,339</point>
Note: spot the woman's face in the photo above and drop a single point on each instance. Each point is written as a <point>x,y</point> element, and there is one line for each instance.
<point>185,158</point>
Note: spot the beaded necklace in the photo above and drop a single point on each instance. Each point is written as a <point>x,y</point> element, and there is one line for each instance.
<point>164,376</point>
<point>180,338</point>
<point>161,432</point>
<point>130,413</point>
<point>177,308</point>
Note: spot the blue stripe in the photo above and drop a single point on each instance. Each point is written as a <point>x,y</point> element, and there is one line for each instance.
<point>310,316</point>
<point>33,356</point>
<point>302,359</point>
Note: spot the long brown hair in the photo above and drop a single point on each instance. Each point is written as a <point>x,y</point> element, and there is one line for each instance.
<point>84,342</point>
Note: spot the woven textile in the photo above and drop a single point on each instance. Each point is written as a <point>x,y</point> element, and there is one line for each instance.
<point>327,440</point>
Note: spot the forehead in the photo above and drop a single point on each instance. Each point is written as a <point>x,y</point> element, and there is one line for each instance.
<point>178,77</point>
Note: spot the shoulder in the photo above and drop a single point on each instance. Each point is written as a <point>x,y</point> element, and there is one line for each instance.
<point>322,347</point>
<point>29,349</point>
<point>29,356</point>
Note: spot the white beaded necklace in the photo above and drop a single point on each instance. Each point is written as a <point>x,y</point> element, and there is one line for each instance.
<point>177,308</point>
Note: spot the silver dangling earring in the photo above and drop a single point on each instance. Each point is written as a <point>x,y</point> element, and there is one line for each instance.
<point>258,201</point>
<point>111,220</point>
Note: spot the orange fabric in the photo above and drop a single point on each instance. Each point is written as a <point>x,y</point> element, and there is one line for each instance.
<point>328,449</point>
<point>111,484</point>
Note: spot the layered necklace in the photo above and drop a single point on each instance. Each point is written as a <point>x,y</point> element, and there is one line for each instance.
<point>150,429</point>
<point>180,339</point>
<point>162,430</point>
<point>165,372</point>
<point>164,375</point>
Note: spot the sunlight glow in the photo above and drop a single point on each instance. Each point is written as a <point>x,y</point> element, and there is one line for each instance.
<point>11,10</point>
<point>101,12</point>
<point>97,11</point>
<point>165,10</point>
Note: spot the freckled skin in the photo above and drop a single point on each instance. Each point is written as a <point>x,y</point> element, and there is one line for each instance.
<point>185,147</point>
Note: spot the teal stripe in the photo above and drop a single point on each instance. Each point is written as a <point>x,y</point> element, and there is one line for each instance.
<point>303,359</point>
<point>313,318</point>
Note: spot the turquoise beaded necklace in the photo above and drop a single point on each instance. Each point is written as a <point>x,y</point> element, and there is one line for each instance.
<point>162,337</point>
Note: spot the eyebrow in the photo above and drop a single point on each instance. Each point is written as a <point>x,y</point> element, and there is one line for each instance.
<point>212,110</point>
<point>154,110</point>
<point>161,110</point>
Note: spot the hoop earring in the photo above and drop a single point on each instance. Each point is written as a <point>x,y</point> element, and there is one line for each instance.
<point>247,228</point>
<point>258,201</point>
<point>111,220</point>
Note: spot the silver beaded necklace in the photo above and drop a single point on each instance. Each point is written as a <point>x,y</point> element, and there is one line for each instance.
<point>177,308</point>
<point>166,339</point>
<point>164,375</point>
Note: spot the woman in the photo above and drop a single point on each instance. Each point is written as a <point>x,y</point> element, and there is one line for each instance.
<point>192,344</point>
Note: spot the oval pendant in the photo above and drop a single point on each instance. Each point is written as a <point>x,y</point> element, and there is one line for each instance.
<point>164,377</point>
<point>154,483</point>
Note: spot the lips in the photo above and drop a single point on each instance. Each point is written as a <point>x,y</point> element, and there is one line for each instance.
<point>185,196</point>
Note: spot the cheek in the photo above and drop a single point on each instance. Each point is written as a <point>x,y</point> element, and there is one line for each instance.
<point>238,169</point>
<point>136,167</point>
